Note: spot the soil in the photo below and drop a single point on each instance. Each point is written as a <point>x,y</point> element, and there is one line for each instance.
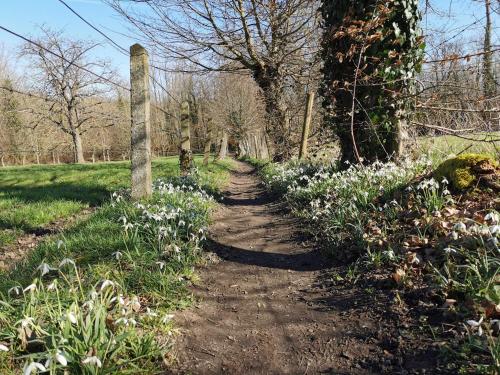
<point>15,252</point>
<point>270,305</point>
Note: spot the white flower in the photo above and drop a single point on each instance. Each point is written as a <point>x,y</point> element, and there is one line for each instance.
<point>494,229</point>
<point>59,244</point>
<point>476,324</point>
<point>449,250</point>
<point>61,358</point>
<point>460,227</point>
<point>29,288</point>
<point>120,300</point>
<point>3,348</point>
<point>107,283</point>
<point>117,255</point>
<point>444,181</point>
<point>66,261</point>
<point>493,217</point>
<point>52,285</point>
<point>167,318</point>
<point>150,313</point>
<point>94,361</point>
<point>72,318</point>
<point>44,268</point>
<point>27,322</point>
<point>161,264</point>
<point>126,321</point>
<point>15,289</point>
<point>34,366</point>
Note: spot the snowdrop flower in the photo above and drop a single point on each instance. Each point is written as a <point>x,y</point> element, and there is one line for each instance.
<point>3,348</point>
<point>161,264</point>
<point>167,318</point>
<point>444,181</point>
<point>72,317</point>
<point>449,250</point>
<point>476,324</point>
<point>150,313</point>
<point>30,288</point>
<point>26,322</point>
<point>59,244</point>
<point>120,300</point>
<point>117,255</point>
<point>44,269</point>
<point>493,217</point>
<point>65,262</point>
<point>34,366</point>
<point>59,357</point>
<point>15,289</point>
<point>128,226</point>
<point>52,285</point>
<point>126,321</point>
<point>460,227</point>
<point>94,361</point>
<point>107,283</point>
<point>494,229</point>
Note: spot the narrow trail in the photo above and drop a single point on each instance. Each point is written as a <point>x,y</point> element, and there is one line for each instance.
<point>261,309</point>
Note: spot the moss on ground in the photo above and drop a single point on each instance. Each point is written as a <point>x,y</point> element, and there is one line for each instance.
<point>464,171</point>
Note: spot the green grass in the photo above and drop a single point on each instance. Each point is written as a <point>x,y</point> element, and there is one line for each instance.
<point>144,266</point>
<point>32,197</point>
<point>439,148</point>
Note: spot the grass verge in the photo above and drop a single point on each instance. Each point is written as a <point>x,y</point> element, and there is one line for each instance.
<point>99,297</point>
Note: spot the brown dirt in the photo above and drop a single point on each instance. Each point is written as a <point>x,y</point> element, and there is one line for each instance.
<point>15,252</point>
<point>268,306</point>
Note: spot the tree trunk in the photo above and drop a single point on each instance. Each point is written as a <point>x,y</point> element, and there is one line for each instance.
<point>223,146</point>
<point>208,145</point>
<point>186,155</point>
<point>270,82</point>
<point>77,147</point>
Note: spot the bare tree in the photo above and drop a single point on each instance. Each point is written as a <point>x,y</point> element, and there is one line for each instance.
<point>275,40</point>
<point>74,94</point>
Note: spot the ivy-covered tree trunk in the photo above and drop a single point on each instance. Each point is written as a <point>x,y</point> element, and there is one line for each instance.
<point>372,50</point>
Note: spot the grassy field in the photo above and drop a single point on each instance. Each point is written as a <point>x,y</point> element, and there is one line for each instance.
<point>440,147</point>
<point>98,297</point>
<point>32,197</point>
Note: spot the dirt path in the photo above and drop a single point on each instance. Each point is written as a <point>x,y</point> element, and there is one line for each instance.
<point>261,310</point>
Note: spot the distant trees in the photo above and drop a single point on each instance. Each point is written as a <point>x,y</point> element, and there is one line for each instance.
<point>276,41</point>
<point>371,52</point>
<point>75,96</point>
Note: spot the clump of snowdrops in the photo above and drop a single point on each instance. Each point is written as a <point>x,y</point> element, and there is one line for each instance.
<point>100,310</point>
<point>373,211</point>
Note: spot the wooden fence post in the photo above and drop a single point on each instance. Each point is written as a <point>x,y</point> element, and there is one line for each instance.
<point>141,127</point>
<point>186,156</point>
<point>307,125</point>
<point>208,143</point>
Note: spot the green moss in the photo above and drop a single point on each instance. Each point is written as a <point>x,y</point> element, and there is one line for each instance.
<point>462,171</point>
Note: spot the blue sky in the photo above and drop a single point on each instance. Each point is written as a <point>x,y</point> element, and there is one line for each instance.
<point>23,16</point>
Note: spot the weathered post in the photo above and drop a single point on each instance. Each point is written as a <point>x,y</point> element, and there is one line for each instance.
<point>208,143</point>
<point>186,156</point>
<point>140,111</point>
<point>307,125</point>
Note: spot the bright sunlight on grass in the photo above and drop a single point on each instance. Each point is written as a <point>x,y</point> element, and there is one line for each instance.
<point>34,196</point>
<point>99,296</point>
